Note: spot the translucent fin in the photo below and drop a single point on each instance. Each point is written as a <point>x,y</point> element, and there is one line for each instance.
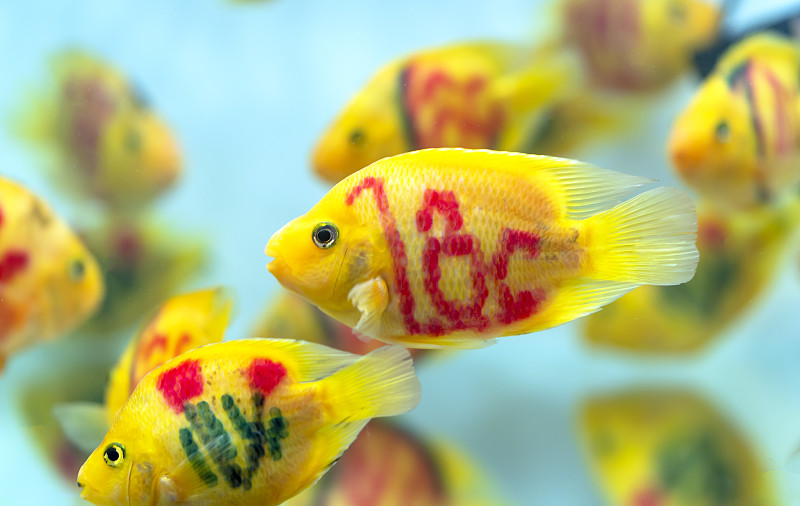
<point>580,297</point>
<point>581,190</point>
<point>381,383</point>
<point>304,360</point>
<point>650,239</point>
<point>370,298</point>
<point>85,424</point>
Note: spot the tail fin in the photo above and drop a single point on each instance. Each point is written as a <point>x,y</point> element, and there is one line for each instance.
<point>381,383</point>
<point>649,239</point>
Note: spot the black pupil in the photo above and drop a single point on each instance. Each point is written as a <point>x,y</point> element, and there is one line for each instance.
<point>357,137</point>
<point>112,454</point>
<point>722,131</point>
<point>324,235</point>
<point>77,268</point>
<point>678,12</point>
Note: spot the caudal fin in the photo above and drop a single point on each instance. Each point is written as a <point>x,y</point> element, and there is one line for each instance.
<point>381,383</point>
<point>649,239</point>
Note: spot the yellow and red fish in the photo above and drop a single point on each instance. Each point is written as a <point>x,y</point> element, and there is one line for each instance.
<point>249,422</point>
<point>109,143</point>
<point>661,447</point>
<point>182,323</point>
<point>638,45</point>
<point>479,95</point>
<point>289,316</point>
<point>390,466</point>
<point>738,141</point>
<point>453,247</point>
<point>739,255</point>
<point>49,281</point>
<point>143,264</point>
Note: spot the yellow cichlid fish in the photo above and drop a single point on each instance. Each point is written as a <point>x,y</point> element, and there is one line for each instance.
<point>740,254</point>
<point>479,95</point>
<point>110,145</point>
<point>638,45</point>
<point>182,323</point>
<point>670,448</point>
<point>49,281</point>
<point>738,141</point>
<point>249,422</point>
<point>390,466</point>
<point>453,247</point>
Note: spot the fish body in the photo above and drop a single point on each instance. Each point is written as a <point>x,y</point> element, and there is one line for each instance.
<point>478,95</point>
<point>110,144</point>
<point>249,422</point>
<point>740,254</point>
<point>738,141</point>
<point>452,247</point>
<point>49,281</point>
<point>661,447</point>
<point>638,45</point>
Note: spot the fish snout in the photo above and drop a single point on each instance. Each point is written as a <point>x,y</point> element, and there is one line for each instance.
<point>685,154</point>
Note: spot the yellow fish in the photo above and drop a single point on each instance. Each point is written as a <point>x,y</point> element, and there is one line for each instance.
<point>738,141</point>
<point>249,422</point>
<point>739,256</point>
<point>109,143</point>
<point>479,95</point>
<point>453,247</point>
<point>638,45</point>
<point>390,466</point>
<point>49,281</point>
<point>289,316</point>
<point>182,323</point>
<point>670,448</point>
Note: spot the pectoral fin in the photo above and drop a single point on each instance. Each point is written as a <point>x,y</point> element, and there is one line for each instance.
<point>84,423</point>
<point>370,298</point>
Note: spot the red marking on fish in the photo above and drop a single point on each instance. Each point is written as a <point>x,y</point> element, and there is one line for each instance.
<point>159,341</point>
<point>13,263</point>
<point>712,234</point>
<point>181,383</point>
<point>264,375</point>
<point>90,107</point>
<point>183,344</point>
<point>648,497</point>
<point>783,141</point>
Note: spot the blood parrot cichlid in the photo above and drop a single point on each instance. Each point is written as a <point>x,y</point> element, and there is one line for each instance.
<point>454,247</point>
<point>250,422</point>
<point>182,323</point>
<point>738,141</point>
<point>638,45</point>
<point>109,144</point>
<point>49,281</point>
<point>477,95</point>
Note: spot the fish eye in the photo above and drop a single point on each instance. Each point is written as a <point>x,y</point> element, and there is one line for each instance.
<point>357,137</point>
<point>114,454</point>
<point>77,269</point>
<point>133,141</point>
<point>677,11</point>
<point>723,131</point>
<point>325,235</point>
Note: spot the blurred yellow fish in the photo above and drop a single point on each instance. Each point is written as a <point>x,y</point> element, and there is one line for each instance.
<point>453,247</point>
<point>670,448</point>
<point>638,45</point>
<point>182,323</point>
<point>110,145</point>
<point>480,95</point>
<point>389,466</point>
<point>289,316</point>
<point>143,264</point>
<point>249,422</point>
<point>739,256</point>
<point>738,141</point>
<point>49,281</point>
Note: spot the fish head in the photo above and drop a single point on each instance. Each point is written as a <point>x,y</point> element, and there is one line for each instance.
<point>369,128</point>
<point>691,24</point>
<point>116,474</point>
<point>712,142</point>
<point>323,254</point>
<point>140,157</point>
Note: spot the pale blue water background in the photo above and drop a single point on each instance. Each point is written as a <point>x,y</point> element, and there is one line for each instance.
<point>248,90</point>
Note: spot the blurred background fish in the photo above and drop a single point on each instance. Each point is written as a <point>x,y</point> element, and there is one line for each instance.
<point>670,447</point>
<point>49,281</point>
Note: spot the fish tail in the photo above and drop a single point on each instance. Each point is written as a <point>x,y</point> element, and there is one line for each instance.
<point>381,383</point>
<point>649,239</point>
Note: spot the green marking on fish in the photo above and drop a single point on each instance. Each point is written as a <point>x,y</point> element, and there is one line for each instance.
<point>196,458</point>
